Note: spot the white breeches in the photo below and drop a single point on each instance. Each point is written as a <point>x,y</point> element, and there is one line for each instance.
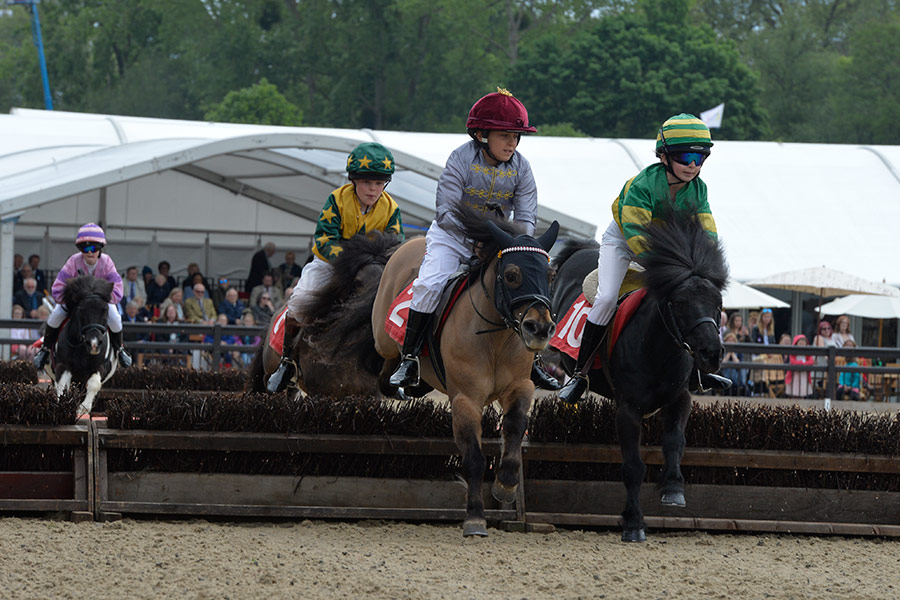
<point>444,254</point>
<point>113,318</point>
<point>314,276</point>
<point>612,264</point>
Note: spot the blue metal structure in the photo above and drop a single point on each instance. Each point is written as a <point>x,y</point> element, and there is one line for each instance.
<point>31,7</point>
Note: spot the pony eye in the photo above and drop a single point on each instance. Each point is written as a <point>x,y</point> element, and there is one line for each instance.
<point>512,276</point>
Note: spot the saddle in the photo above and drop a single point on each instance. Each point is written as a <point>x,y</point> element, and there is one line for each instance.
<point>395,323</point>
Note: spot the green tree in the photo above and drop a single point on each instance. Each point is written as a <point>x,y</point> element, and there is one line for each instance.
<point>260,104</point>
<point>633,69</point>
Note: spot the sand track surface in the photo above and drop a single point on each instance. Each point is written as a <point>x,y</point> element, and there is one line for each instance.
<point>195,559</point>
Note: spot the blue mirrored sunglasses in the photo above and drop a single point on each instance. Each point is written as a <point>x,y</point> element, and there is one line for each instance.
<point>686,158</point>
<point>89,249</point>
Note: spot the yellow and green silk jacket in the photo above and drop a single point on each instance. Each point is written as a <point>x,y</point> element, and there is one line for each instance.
<point>646,195</point>
<point>342,218</point>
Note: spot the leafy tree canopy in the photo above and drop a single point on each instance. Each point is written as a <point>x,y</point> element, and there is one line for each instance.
<point>261,103</point>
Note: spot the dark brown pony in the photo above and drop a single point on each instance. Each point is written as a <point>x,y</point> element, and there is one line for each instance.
<point>488,344</point>
<point>353,370</point>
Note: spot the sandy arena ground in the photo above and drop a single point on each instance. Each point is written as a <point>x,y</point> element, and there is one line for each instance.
<point>195,559</point>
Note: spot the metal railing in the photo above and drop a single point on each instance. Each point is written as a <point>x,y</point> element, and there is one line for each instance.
<point>215,347</point>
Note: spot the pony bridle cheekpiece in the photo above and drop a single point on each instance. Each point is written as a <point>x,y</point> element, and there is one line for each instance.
<point>530,291</point>
<point>669,318</point>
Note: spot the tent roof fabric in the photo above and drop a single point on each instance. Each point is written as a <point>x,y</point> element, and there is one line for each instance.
<point>777,206</point>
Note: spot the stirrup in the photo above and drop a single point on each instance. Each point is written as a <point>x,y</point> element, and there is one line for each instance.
<point>279,380</point>
<point>402,376</point>
<point>542,378</point>
<point>574,388</point>
<point>711,381</point>
<point>41,358</point>
<point>124,358</point>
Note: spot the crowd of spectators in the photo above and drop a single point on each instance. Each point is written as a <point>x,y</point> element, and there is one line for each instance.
<point>786,382</point>
<point>159,297</point>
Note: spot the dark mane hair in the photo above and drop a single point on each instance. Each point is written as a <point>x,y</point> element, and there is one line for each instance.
<point>475,226</point>
<point>79,288</point>
<point>678,248</point>
<point>358,252</point>
<point>571,247</point>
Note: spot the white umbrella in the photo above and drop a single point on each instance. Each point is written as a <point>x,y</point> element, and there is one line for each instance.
<point>738,295</point>
<point>823,281</point>
<point>871,307</point>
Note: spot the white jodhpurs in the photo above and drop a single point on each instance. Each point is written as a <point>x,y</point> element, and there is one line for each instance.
<point>314,276</point>
<point>113,318</point>
<point>444,253</point>
<point>612,264</point>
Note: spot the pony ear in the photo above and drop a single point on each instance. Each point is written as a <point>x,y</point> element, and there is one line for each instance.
<point>501,237</point>
<point>548,238</point>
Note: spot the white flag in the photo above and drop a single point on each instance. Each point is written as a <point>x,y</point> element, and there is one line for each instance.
<point>713,116</point>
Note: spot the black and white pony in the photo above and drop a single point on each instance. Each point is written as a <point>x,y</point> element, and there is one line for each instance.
<point>84,354</point>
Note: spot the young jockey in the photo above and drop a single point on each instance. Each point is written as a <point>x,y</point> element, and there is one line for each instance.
<point>360,206</point>
<point>682,144</point>
<point>486,173</point>
<point>88,260</point>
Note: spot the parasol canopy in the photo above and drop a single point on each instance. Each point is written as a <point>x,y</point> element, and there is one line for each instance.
<point>823,281</point>
<point>738,295</point>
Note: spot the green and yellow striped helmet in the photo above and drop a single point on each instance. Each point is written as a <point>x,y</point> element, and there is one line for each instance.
<point>682,132</point>
<point>370,160</point>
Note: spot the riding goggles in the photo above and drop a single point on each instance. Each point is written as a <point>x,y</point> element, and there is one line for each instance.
<point>686,158</point>
<point>90,248</point>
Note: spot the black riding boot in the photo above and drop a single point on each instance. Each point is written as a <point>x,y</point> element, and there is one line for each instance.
<point>51,334</point>
<point>288,371</point>
<point>407,372</point>
<point>591,338</point>
<point>541,377</point>
<point>115,339</point>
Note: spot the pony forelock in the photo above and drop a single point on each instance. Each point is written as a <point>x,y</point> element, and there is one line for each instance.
<point>678,248</point>
<point>83,286</point>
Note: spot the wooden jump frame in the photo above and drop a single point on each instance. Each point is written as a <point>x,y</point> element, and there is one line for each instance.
<point>540,502</point>
<point>69,491</point>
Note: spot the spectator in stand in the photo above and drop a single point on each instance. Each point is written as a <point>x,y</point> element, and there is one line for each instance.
<point>190,279</point>
<point>25,271</point>
<point>842,335</point>
<point>35,261</point>
<point>267,287</point>
<point>146,276</point>
<point>158,290</point>
<point>849,384</point>
<point>823,339</point>
<point>44,312</point>
<point>764,331</point>
<point>200,308</point>
<point>169,316</point>
<point>232,358</point>
<point>132,286</point>
<point>29,298</point>
<point>218,293</point>
<point>133,314</point>
<point>798,384</point>
<point>232,307</point>
<point>287,271</point>
<point>259,265</point>
<point>723,324</point>
<point>249,340</point>
<point>736,326</point>
<point>163,269</point>
<point>196,277</point>
<point>18,261</point>
<point>22,351</point>
<point>736,375</point>
<point>264,309</point>
<point>176,298</point>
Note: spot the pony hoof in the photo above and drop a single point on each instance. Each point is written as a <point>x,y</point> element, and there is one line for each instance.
<point>672,499</point>
<point>475,527</point>
<point>503,493</point>
<point>634,535</point>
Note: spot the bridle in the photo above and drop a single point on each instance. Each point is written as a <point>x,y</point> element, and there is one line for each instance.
<point>671,325</point>
<point>503,300</point>
<point>86,330</point>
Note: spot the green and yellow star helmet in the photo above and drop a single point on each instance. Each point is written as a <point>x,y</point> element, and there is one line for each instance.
<point>683,132</point>
<point>370,160</point>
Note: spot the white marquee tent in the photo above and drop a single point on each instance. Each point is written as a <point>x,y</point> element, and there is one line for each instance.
<point>211,193</point>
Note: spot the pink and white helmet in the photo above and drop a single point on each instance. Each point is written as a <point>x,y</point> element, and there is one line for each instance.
<point>90,232</point>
